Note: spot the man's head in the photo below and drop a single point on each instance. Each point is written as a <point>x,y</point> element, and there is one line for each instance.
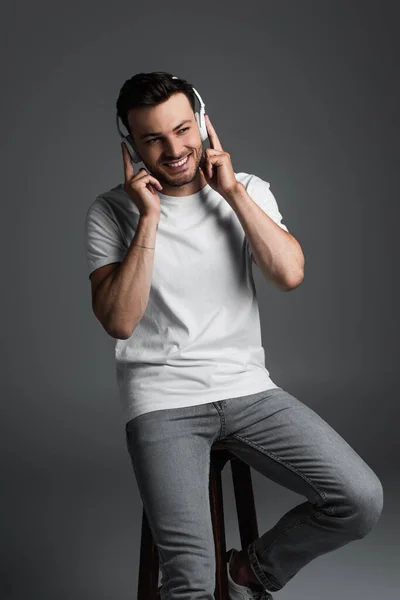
<point>158,112</point>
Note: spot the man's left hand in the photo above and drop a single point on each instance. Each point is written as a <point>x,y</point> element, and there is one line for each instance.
<point>216,164</point>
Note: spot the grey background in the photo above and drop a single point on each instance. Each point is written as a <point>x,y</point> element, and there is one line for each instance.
<point>304,94</point>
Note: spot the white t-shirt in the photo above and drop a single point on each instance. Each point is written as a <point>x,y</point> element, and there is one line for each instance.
<point>199,339</point>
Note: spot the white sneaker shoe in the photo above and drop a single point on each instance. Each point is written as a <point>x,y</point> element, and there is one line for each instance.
<point>242,592</point>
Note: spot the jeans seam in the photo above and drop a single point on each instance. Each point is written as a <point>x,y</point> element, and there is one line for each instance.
<point>164,570</point>
<point>261,576</point>
<point>258,572</point>
<point>222,418</point>
<point>288,466</point>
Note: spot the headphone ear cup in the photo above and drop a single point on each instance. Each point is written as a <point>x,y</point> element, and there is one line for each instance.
<point>135,156</point>
<point>202,126</point>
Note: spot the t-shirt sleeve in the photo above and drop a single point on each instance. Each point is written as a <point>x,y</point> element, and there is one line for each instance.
<point>259,191</point>
<point>103,238</point>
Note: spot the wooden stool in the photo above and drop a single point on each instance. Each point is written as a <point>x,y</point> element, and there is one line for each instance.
<point>241,476</point>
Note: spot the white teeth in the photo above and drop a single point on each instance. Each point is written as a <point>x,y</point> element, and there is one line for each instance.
<point>178,164</point>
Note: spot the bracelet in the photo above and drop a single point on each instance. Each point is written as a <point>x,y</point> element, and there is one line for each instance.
<point>144,246</point>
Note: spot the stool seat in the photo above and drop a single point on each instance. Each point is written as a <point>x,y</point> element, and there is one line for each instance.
<point>247,522</point>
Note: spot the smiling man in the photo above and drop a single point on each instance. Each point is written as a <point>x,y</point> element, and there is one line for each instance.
<point>178,140</point>
<point>170,255</point>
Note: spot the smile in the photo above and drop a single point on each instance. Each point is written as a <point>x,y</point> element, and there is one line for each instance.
<point>179,164</point>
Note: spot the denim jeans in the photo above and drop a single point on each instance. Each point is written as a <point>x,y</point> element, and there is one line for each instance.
<point>281,438</point>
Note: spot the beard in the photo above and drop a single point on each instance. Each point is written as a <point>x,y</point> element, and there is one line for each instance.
<point>167,177</point>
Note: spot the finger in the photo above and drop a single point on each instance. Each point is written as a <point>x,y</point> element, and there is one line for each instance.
<point>212,134</point>
<point>212,157</point>
<point>156,183</point>
<point>128,166</point>
<point>151,181</point>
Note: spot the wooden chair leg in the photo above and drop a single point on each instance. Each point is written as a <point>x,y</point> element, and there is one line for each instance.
<point>244,499</point>
<point>148,564</point>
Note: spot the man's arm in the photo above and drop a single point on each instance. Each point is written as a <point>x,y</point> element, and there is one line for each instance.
<point>276,252</point>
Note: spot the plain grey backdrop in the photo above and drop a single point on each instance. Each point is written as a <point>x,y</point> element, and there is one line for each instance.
<point>304,94</point>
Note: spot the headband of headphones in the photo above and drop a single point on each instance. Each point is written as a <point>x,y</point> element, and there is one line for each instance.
<point>199,116</point>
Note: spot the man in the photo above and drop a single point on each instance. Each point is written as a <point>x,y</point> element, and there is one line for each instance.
<point>170,256</point>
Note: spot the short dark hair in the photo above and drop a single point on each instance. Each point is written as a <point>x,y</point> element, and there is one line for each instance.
<point>150,89</point>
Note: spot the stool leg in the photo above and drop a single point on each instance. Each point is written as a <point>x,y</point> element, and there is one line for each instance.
<point>244,497</point>
<point>148,564</point>
<point>217,515</point>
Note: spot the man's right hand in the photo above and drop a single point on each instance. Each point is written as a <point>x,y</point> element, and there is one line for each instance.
<point>141,187</point>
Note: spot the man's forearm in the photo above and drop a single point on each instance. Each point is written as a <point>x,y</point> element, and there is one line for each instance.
<point>121,300</point>
<point>278,254</point>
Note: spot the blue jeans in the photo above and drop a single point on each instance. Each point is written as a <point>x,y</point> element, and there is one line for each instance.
<point>281,438</point>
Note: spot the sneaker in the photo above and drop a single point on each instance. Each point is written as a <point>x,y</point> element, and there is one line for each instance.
<point>242,592</point>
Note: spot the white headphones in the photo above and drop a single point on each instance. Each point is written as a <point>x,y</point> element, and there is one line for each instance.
<point>199,116</point>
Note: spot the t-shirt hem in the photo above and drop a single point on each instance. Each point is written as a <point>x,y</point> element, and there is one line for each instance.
<point>159,402</point>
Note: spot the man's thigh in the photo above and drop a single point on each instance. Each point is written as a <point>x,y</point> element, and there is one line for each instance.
<point>170,454</point>
<point>288,442</point>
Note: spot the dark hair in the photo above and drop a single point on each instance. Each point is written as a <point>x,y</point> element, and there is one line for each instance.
<point>150,89</point>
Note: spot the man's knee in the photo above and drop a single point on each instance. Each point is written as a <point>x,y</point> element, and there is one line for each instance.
<point>367,504</point>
